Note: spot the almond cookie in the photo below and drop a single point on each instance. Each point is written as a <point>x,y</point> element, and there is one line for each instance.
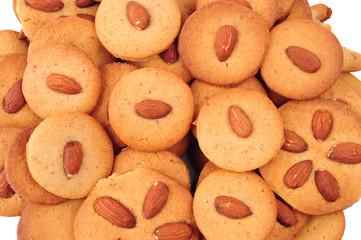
<point>232,126</point>
<point>74,31</point>
<point>301,10</point>
<point>138,205</point>
<point>10,43</point>
<point>135,30</point>
<point>61,78</point>
<point>164,161</point>
<point>284,8</point>
<point>181,147</point>
<point>223,43</point>
<point>48,222</point>
<point>151,109</point>
<point>15,112</point>
<point>68,153</point>
<point>318,170</point>
<point>330,227</point>
<point>303,61</point>
<point>110,76</point>
<point>351,81</point>
<point>18,175</point>
<point>33,14</point>
<point>233,206</point>
<point>351,60</point>
<point>321,12</point>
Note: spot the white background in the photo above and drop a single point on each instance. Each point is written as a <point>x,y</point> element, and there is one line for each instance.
<point>345,22</point>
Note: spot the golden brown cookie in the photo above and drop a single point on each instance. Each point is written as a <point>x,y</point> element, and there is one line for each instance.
<point>181,147</point>
<point>351,81</point>
<point>301,10</point>
<point>351,60</point>
<point>284,8</point>
<point>10,43</point>
<point>321,12</point>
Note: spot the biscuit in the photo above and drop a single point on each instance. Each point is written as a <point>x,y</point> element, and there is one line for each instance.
<point>351,81</point>
<point>321,12</point>
<point>10,43</point>
<point>351,60</point>
<point>284,8</point>
<point>181,147</point>
<point>301,10</point>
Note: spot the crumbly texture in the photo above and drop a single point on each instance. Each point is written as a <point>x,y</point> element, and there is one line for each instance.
<point>351,81</point>
<point>198,37</point>
<point>48,221</point>
<point>165,162</point>
<point>74,31</point>
<point>45,149</point>
<point>151,134</point>
<point>124,41</point>
<point>11,44</point>
<point>297,117</point>
<point>330,227</point>
<point>247,187</point>
<point>221,145</point>
<point>110,74</point>
<point>130,189</point>
<point>287,79</point>
<point>301,10</point>
<point>65,60</point>
<point>12,68</point>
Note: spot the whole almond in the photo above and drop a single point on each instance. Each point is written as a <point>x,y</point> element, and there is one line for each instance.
<point>72,158</point>
<point>173,231</point>
<point>293,142</point>
<point>231,207</point>
<point>114,212</point>
<point>322,123</point>
<point>348,152</point>
<point>63,84</point>
<point>239,121</point>
<point>298,174</point>
<point>137,15</point>
<point>5,189</point>
<point>155,200</point>
<point>304,59</point>
<point>327,185</point>
<point>170,55</point>
<point>285,214</point>
<point>14,99</point>
<point>226,40</point>
<point>85,3</point>
<point>86,16</point>
<point>152,109</point>
<point>46,5</point>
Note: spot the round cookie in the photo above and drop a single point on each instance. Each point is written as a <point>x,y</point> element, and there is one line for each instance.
<point>246,192</point>
<point>164,161</point>
<point>62,76</point>
<point>48,221</point>
<point>303,61</point>
<point>110,76</point>
<point>68,153</point>
<point>14,110</point>
<point>222,137</point>
<point>158,22</point>
<point>151,109</point>
<point>10,43</point>
<point>208,168</point>
<point>181,147</point>
<point>74,31</point>
<point>33,16</point>
<point>130,191</point>
<point>18,174</point>
<point>330,227</point>
<point>284,8</point>
<point>301,10</point>
<point>319,133</point>
<point>205,29</point>
<point>351,81</point>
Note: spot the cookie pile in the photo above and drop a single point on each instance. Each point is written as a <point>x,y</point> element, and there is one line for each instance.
<point>101,99</point>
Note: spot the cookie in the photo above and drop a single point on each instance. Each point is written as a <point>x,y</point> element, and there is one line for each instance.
<point>284,8</point>
<point>351,81</point>
<point>151,109</point>
<point>18,175</point>
<point>351,60</point>
<point>321,12</point>
<point>208,168</point>
<point>330,227</point>
<point>74,31</point>
<point>33,15</point>
<point>187,7</point>
<point>322,140</point>
<point>61,78</point>
<point>165,162</point>
<point>10,43</point>
<point>129,198</point>
<point>68,153</point>
<point>110,76</point>
<point>303,61</point>
<point>301,10</point>
<point>181,147</point>
<point>15,112</point>
<point>48,221</point>
<point>232,126</point>
<point>135,30</point>
<point>229,205</point>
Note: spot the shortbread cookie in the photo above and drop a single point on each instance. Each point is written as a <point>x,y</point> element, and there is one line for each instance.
<point>68,153</point>
<point>351,81</point>
<point>61,78</point>
<point>10,43</point>
<point>301,10</point>
<point>138,205</point>
<point>351,60</point>
<point>232,127</point>
<point>151,109</point>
